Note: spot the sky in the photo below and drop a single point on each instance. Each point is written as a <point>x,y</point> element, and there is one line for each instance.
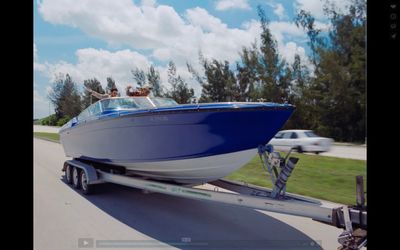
<point>102,38</point>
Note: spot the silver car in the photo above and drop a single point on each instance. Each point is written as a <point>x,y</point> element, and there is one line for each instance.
<point>302,141</point>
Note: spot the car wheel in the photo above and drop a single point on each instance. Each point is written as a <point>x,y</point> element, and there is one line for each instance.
<point>300,149</point>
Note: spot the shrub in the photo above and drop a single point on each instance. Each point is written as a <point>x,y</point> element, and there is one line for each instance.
<point>63,120</point>
<point>51,120</point>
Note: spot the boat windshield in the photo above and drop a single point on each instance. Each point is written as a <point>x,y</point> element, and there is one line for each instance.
<point>135,103</point>
<point>118,103</point>
<point>163,102</point>
<point>126,103</point>
<point>143,102</point>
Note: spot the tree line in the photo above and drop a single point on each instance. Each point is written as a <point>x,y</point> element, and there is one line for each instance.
<point>329,99</point>
<point>69,101</point>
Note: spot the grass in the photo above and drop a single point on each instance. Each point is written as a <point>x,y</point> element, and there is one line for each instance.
<point>49,136</point>
<point>323,177</point>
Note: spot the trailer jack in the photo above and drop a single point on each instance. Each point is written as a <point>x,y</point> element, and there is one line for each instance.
<point>280,169</point>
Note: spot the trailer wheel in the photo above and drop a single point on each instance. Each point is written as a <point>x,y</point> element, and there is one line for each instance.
<point>86,188</point>
<point>68,174</point>
<point>76,182</point>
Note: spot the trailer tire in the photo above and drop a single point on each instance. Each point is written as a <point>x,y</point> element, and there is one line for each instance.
<point>86,188</point>
<point>68,174</point>
<point>76,182</point>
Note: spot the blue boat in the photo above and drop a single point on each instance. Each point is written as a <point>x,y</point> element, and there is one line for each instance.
<point>163,140</point>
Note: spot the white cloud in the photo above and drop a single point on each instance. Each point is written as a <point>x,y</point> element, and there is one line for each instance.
<point>148,2</point>
<point>117,21</point>
<point>36,65</point>
<point>232,4</point>
<point>322,26</point>
<point>49,90</point>
<point>100,64</point>
<point>280,30</point>
<point>199,17</point>
<point>316,7</point>
<point>290,49</point>
<point>159,29</point>
<point>39,66</point>
<point>285,33</point>
<point>35,56</point>
<point>279,10</point>
<point>40,105</point>
<point>37,97</point>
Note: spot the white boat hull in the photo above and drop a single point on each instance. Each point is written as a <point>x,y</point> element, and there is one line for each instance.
<point>195,170</point>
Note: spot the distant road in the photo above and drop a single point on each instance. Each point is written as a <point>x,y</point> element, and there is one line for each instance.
<point>351,152</point>
<point>47,129</point>
<point>65,219</point>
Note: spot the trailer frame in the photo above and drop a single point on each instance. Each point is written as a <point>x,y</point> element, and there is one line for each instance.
<point>352,219</point>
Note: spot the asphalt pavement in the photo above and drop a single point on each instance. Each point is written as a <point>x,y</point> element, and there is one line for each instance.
<point>119,217</point>
<point>348,151</point>
<point>46,129</point>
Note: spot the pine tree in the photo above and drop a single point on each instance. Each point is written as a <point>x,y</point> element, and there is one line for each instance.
<point>154,80</point>
<point>271,68</point>
<point>180,91</point>
<point>247,73</point>
<point>336,93</point>
<point>139,76</point>
<point>65,97</point>
<point>221,82</point>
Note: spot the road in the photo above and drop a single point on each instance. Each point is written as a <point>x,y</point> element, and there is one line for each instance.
<point>65,219</point>
<point>47,129</point>
<point>350,152</point>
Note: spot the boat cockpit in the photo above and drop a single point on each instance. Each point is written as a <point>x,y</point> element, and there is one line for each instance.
<point>115,105</point>
<point>127,103</point>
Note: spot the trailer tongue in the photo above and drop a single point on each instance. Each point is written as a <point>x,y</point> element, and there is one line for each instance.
<point>353,220</point>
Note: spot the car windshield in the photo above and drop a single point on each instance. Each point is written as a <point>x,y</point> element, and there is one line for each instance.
<point>163,102</point>
<point>310,134</point>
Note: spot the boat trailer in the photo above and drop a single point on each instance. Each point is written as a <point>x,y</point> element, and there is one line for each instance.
<point>86,175</point>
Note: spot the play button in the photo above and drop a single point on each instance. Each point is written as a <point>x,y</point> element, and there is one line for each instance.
<point>85,242</point>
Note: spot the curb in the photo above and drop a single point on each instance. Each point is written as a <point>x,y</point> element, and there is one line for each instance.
<point>46,139</point>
